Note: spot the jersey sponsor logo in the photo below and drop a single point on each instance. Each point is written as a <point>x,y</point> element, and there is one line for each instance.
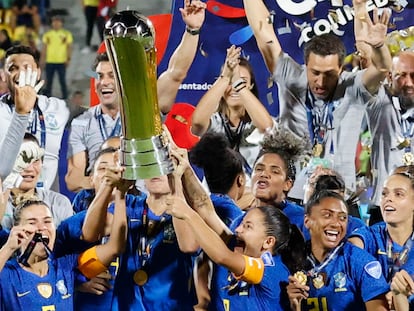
<point>268,259</point>
<point>51,121</point>
<point>45,290</point>
<point>23,294</point>
<point>62,289</point>
<point>373,269</point>
<point>340,282</point>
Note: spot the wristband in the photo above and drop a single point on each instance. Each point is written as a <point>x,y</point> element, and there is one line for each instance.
<point>192,32</point>
<point>238,83</point>
<point>379,46</point>
<point>240,88</point>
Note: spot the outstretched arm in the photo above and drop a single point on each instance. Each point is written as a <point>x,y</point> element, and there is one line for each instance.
<point>209,240</point>
<point>169,81</point>
<point>116,244</point>
<point>185,238</point>
<point>373,32</point>
<point>95,219</point>
<point>258,113</point>
<point>24,100</point>
<point>209,103</point>
<point>95,260</point>
<point>262,25</point>
<point>194,192</point>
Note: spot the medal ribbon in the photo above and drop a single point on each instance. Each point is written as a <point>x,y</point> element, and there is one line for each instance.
<point>407,129</point>
<point>116,131</point>
<point>235,138</point>
<point>35,115</point>
<point>316,269</point>
<point>406,122</point>
<point>396,260</point>
<point>145,243</point>
<point>319,122</point>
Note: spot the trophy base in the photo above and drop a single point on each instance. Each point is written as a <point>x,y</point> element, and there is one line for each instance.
<point>145,158</point>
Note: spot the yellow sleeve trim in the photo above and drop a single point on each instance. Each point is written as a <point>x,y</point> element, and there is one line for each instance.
<point>253,270</point>
<point>89,264</point>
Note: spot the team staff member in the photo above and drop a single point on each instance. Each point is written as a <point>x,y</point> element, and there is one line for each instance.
<point>24,111</point>
<point>319,100</point>
<point>92,128</point>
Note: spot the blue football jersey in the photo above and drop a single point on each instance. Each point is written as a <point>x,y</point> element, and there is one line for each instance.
<point>225,208</point>
<point>375,243</point>
<point>23,290</point>
<point>169,286</point>
<point>68,240</point>
<point>229,294</point>
<point>352,278</point>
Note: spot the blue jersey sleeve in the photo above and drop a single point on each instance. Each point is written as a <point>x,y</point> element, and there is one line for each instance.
<point>69,236</point>
<point>368,274</point>
<point>226,208</point>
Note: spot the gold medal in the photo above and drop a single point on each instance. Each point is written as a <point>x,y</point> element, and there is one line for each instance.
<point>317,150</point>
<point>408,158</point>
<point>140,277</point>
<point>301,277</point>
<point>404,144</point>
<point>318,281</point>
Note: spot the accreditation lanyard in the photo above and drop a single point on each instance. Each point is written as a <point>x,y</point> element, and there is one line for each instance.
<point>316,269</point>
<point>234,138</point>
<point>148,237</point>
<point>36,115</point>
<point>396,260</point>
<point>116,131</point>
<point>406,123</point>
<point>32,127</point>
<point>319,121</point>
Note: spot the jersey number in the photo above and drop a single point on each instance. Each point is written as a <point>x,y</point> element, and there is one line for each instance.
<point>317,305</point>
<point>226,304</point>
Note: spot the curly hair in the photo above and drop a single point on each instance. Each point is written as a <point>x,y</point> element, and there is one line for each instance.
<point>285,144</point>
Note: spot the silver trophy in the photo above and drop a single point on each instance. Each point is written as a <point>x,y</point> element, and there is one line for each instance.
<point>130,43</point>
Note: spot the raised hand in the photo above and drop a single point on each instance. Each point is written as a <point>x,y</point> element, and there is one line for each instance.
<point>373,31</point>
<point>402,283</point>
<point>231,62</point>
<point>20,236</point>
<point>25,92</point>
<point>193,13</point>
<point>296,293</point>
<point>179,155</point>
<point>176,206</point>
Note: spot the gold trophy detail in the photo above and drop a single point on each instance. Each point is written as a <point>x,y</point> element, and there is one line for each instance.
<point>130,42</point>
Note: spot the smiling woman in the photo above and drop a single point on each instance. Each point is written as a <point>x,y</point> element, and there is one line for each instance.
<point>254,272</point>
<point>391,241</point>
<point>339,274</point>
<point>40,279</point>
